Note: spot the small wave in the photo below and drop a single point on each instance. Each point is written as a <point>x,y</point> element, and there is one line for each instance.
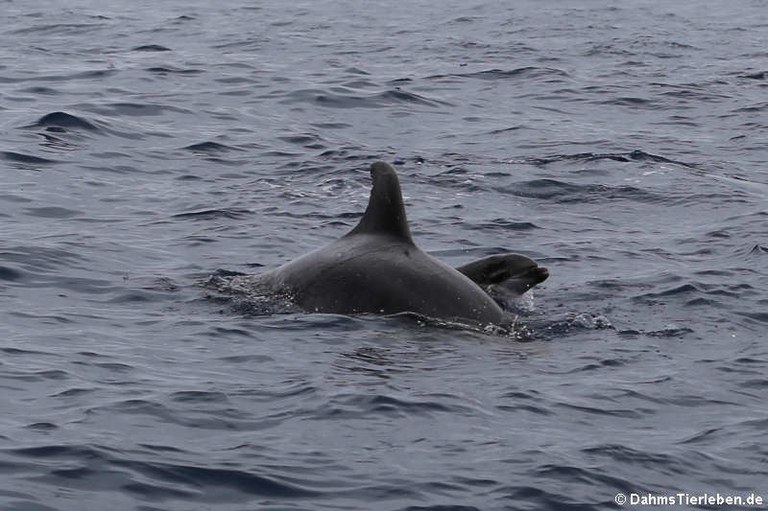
<point>360,405</point>
<point>759,317</point>
<point>507,225</point>
<point>627,456</point>
<point>630,101</point>
<point>137,296</point>
<point>342,97</point>
<point>36,258</point>
<point>73,392</point>
<point>501,74</point>
<point>127,109</point>
<point>151,48</point>
<point>531,408</point>
<point>164,70</point>
<point>401,96</point>
<point>18,352</point>
<point>52,212</point>
<point>79,75</point>
<point>759,75</point>
<point>64,121</point>
<point>60,29</point>
<point>128,473</point>
<point>592,476</point>
<point>308,140</point>
<point>26,158</point>
<point>757,107</point>
<point>10,274</point>
<point>565,192</point>
<point>43,91</point>
<point>683,289</point>
<point>37,376</point>
<point>42,426</point>
<point>695,294</point>
<point>546,189</point>
<point>671,332</point>
<point>636,155</point>
<point>208,214</point>
<point>247,359</point>
<point>757,250</point>
<point>210,147</point>
<point>222,479</point>
<point>58,451</point>
<point>198,396</point>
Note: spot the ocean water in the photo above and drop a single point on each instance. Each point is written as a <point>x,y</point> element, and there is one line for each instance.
<point>145,146</point>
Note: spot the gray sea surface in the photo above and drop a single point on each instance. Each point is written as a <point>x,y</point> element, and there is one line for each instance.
<point>145,146</point>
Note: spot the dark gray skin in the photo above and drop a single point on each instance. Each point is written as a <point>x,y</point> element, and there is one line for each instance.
<point>377,268</point>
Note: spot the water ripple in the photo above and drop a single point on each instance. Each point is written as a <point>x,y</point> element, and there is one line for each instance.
<point>623,147</point>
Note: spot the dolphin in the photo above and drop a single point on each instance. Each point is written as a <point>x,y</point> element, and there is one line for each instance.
<point>377,268</point>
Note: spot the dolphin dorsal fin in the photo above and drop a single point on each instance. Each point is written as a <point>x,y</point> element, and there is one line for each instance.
<point>385,213</point>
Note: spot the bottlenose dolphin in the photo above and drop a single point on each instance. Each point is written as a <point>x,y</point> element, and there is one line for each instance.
<point>377,268</point>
